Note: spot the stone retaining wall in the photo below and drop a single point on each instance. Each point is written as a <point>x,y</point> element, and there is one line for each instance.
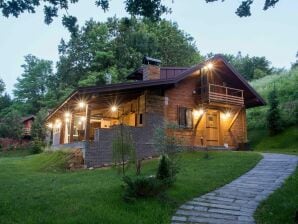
<point>99,153</point>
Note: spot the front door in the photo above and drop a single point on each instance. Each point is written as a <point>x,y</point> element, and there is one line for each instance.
<point>212,128</point>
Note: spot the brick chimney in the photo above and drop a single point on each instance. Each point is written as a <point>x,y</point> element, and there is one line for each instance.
<point>151,68</point>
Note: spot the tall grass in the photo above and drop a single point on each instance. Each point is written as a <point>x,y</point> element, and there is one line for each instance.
<point>286,86</point>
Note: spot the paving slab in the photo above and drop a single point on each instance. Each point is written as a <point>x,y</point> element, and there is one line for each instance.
<point>237,201</point>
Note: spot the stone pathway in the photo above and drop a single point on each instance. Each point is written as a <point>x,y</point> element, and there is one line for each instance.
<point>237,201</point>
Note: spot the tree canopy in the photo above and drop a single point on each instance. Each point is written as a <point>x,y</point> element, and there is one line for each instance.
<point>250,67</point>
<point>5,100</point>
<point>100,53</point>
<point>32,86</point>
<point>108,52</point>
<point>151,9</point>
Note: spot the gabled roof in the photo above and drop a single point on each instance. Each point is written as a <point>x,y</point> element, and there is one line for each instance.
<point>252,98</point>
<point>29,117</point>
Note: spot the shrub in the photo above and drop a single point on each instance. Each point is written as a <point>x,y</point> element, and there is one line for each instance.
<point>274,121</point>
<point>164,168</point>
<point>167,169</point>
<point>143,186</point>
<point>36,147</point>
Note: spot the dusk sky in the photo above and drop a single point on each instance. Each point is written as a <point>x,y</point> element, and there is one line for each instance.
<point>214,26</point>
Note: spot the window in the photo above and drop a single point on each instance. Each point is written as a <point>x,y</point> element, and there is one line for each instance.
<point>141,119</point>
<point>185,117</point>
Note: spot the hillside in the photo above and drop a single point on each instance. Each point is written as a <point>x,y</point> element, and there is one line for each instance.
<point>286,86</point>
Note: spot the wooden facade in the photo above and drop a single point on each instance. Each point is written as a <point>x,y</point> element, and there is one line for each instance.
<point>207,103</point>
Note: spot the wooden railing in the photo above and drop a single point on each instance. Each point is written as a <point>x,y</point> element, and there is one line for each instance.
<point>26,131</point>
<point>221,94</point>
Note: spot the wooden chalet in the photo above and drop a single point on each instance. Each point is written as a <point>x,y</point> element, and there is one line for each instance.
<point>207,102</point>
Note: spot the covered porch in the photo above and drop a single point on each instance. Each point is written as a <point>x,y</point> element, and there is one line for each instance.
<point>78,119</point>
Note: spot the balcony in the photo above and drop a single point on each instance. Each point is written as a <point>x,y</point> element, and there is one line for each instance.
<point>26,131</point>
<point>212,93</point>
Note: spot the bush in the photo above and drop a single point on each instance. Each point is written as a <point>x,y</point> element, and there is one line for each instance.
<point>36,147</point>
<point>167,169</point>
<point>143,186</point>
<point>164,168</point>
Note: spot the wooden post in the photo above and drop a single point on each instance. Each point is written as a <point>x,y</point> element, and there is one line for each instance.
<point>62,131</point>
<point>87,125</point>
<point>71,128</point>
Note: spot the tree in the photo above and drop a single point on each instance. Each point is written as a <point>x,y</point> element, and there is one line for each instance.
<point>115,48</point>
<point>38,129</point>
<point>250,67</point>
<point>123,148</point>
<point>31,87</point>
<point>5,100</point>
<point>2,86</point>
<point>152,9</point>
<point>295,64</point>
<point>244,8</point>
<point>274,121</point>
<point>10,125</point>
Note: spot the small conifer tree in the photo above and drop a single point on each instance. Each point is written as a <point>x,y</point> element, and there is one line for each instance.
<point>274,121</point>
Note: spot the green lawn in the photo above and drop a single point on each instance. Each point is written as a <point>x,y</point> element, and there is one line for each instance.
<point>29,195</point>
<point>14,153</point>
<point>285,142</point>
<point>281,206</point>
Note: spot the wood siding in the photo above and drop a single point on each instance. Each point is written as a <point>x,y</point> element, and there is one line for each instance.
<point>184,95</point>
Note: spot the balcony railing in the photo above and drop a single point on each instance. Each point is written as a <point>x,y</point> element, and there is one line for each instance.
<point>221,94</point>
<point>26,131</point>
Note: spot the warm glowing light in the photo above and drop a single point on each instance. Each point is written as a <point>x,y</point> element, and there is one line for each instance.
<point>82,119</point>
<point>209,66</point>
<point>67,114</point>
<point>80,122</point>
<point>50,125</point>
<point>67,120</point>
<point>114,108</point>
<point>82,104</point>
<point>58,123</point>
<point>227,115</point>
<point>198,113</point>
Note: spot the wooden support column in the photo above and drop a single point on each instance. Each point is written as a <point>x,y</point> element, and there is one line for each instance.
<point>87,125</point>
<point>234,119</point>
<point>71,128</point>
<point>62,132</point>
<point>234,139</point>
<point>195,129</point>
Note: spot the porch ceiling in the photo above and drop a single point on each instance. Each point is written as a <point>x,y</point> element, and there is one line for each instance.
<point>97,102</point>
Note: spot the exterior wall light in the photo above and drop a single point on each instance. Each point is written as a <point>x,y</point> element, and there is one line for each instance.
<point>50,125</point>
<point>209,66</point>
<point>227,115</point>
<point>83,119</point>
<point>114,108</point>
<point>58,123</point>
<point>198,113</point>
<point>67,114</point>
<point>82,104</point>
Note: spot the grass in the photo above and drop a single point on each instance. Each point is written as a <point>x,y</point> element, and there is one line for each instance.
<point>32,194</point>
<point>285,142</point>
<point>14,153</point>
<point>281,206</point>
